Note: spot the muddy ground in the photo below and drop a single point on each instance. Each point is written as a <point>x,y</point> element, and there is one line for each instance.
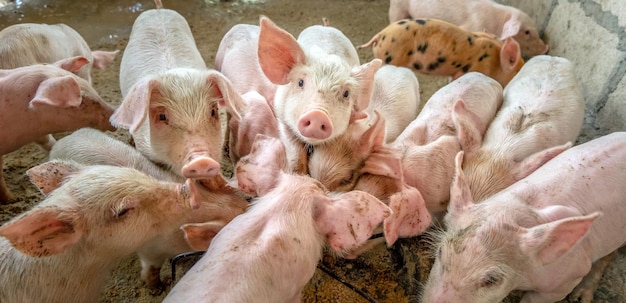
<point>382,275</point>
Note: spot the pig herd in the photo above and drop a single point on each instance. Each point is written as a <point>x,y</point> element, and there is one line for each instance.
<point>326,150</point>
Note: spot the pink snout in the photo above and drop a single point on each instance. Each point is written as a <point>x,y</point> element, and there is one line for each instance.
<point>315,124</point>
<point>201,167</point>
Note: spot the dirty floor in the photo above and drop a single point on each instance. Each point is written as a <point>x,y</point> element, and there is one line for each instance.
<point>383,274</point>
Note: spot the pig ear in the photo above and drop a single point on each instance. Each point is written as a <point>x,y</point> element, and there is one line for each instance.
<point>348,219</point>
<point>42,231</point>
<point>365,76</point>
<point>410,216</point>
<point>278,52</point>
<point>259,171</point>
<point>135,106</point>
<point>460,195</point>
<point>58,91</point>
<point>510,54</point>
<point>536,160</point>
<point>511,27</point>
<point>102,59</point>
<point>71,65</point>
<point>229,98</point>
<point>469,127</point>
<point>373,137</point>
<point>200,235</point>
<point>547,242</point>
<point>382,162</point>
<point>50,175</point>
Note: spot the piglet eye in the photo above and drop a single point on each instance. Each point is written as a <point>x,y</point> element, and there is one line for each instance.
<point>162,117</point>
<point>491,279</point>
<point>301,83</point>
<point>122,212</point>
<point>527,32</point>
<point>346,93</point>
<point>213,113</point>
<point>347,181</point>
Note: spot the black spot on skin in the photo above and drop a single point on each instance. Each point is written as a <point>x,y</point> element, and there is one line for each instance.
<point>414,33</point>
<point>420,21</point>
<point>383,38</point>
<point>433,66</point>
<point>407,28</point>
<point>458,65</point>
<point>422,47</point>
<point>417,65</point>
<point>470,40</point>
<point>386,53</point>
<point>388,59</point>
<point>401,22</point>
<point>410,53</point>
<point>441,59</point>
<point>485,55</point>
<point>393,39</point>
<point>466,68</point>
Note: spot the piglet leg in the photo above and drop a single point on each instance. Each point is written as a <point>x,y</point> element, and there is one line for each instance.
<point>584,291</point>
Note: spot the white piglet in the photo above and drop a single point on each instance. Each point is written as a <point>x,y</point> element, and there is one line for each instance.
<point>64,248</point>
<point>216,202</point>
<point>320,89</point>
<point>171,100</point>
<point>541,115</point>
<point>539,235</point>
<point>279,240</point>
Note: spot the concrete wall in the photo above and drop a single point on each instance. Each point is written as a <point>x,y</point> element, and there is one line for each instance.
<point>592,34</point>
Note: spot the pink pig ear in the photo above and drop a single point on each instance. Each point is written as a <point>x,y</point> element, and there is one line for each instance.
<point>382,162</point>
<point>278,52</point>
<point>510,54</point>
<point>410,216</point>
<point>200,235</point>
<point>71,65</point>
<point>348,219</point>
<point>547,242</point>
<point>227,94</point>
<point>134,108</point>
<point>365,75</point>
<point>260,171</point>
<point>469,127</point>
<point>511,27</point>
<point>102,59</point>
<point>460,195</point>
<point>59,91</point>
<point>43,231</point>
<point>50,175</point>
<point>536,160</point>
<point>373,137</point>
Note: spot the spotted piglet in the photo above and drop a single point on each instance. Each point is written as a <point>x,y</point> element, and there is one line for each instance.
<point>436,47</point>
<point>474,16</point>
<point>279,240</point>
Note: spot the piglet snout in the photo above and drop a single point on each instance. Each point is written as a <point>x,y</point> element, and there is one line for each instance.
<point>201,167</point>
<point>315,124</point>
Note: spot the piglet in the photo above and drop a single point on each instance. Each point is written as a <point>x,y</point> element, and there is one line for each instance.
<point>31,43</point>
<point>539,235</point>
<point>53,99</point>
<point>337,163</point>
<point>542,113</point>
<point>279,240</point>
<point>216,204</point>
<point>171,99</point>
<point>320,89</point>
<point>436,47</point>
<point>64,248</point>
<point>476,16</point>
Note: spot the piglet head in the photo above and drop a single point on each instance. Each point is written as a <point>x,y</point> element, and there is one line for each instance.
<point>348,219</point>
<point>260,171</point>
